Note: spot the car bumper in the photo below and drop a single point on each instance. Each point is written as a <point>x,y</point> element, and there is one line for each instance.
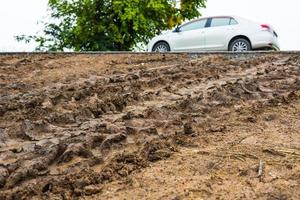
<point>150,45</point>
<point>265,40</point>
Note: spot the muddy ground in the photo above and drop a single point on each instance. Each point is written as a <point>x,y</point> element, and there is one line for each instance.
<point>140,126</point>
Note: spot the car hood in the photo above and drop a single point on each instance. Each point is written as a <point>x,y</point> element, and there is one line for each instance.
<point>163,34</point>
<point>166,32</point>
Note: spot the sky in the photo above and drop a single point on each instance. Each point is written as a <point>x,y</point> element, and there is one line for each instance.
<point>18,17</point>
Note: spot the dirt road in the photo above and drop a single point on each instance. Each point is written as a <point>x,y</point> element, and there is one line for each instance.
<point>141,126</point>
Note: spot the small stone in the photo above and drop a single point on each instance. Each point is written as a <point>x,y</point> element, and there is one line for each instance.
<point>113,129</point>
<point>47,104</point>
<point>26,130</point>
<point>75,150</point>
<point>149,131</point>
<point>89,125</point>
<point>113,139</point>
<point>92,189</point>
<point>78,192</point>
<point>45,142</point>
<point>176,198</point>
<point>188,129</point>
<point>3,175</point>
<point>193,62</point>
<point>30,147</point>
<point>251,119</point>
<point>3,137</point>
<point>131,130</point>
<point>47,188</point>
<point>217,128</point>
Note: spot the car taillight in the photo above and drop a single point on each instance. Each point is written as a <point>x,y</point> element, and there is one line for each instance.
<point>265,27</point>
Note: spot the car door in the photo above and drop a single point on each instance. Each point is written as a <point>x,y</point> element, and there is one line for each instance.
<point>219,31</point>
<point>189,37</point>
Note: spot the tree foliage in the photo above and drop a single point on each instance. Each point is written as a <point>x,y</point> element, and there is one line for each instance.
<point>100,25</point>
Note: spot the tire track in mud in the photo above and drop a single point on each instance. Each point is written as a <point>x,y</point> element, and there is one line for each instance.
<point>69,139</point>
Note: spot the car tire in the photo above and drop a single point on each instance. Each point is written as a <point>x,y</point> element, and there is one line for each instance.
<point>240,45</point>
<point>161,47</point>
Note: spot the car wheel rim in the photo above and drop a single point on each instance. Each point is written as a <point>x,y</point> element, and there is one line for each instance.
<point>239,47</point>
<point>161,48</point>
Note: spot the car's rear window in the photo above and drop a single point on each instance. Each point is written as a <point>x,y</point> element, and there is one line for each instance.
<point>233,21</point>
<point>222,21</point>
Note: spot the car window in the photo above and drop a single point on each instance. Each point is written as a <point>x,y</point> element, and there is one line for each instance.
<point>220,21</point>
<point>193,25</point>
<point>233,21</point>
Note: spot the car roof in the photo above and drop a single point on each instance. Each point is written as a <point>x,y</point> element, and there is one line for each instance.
<point>217,16</point>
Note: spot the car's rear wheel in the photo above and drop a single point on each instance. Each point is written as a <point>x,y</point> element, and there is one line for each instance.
<point>161,47</point>
<point>240,45</point>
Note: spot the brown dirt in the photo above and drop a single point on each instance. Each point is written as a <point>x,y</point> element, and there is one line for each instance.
<point>151,126</point>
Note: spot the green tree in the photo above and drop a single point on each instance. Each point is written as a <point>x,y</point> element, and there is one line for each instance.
<point>100,25</point>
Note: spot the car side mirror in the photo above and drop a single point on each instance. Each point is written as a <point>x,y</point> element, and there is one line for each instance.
<point>177,29</point>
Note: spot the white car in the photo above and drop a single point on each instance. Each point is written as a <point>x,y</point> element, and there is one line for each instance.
<point>220,33</point>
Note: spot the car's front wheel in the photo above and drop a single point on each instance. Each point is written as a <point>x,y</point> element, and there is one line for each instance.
<point>240,45</point>
<point>161,47</point>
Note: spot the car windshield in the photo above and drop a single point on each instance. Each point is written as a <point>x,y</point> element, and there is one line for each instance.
<point>193,25</point>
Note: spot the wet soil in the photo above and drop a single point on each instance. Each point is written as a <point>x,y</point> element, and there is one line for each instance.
<point>139,126</point>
